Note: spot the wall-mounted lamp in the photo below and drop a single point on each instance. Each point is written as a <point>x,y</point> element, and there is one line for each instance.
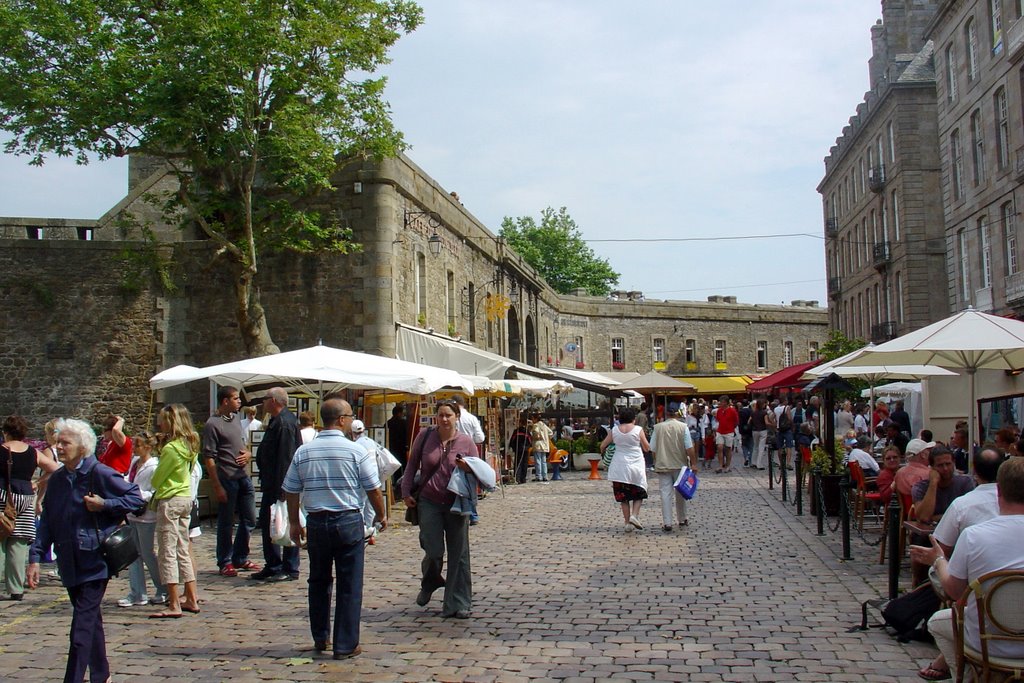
<point>434,243</point>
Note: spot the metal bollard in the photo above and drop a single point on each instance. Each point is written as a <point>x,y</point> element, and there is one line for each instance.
<point>785,480</point>
<point>771,472</point>
<point>799,487</point>
<point>821,503</point>
<point>844,513</point>
<point>893,522</point>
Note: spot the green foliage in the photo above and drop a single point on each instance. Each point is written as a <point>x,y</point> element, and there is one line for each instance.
<point>250,104</point>
<point>839,345</point>
<point>143,263</point>
<point>556,249</point>
<point>829,464</point>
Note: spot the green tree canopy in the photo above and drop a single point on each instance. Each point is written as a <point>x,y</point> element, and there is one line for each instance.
<point>252,103</point>
<point>556,249</point>
<point>839,345</point>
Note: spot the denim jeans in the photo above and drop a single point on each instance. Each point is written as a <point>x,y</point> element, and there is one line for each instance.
<point>540,461</point>
<point>145,534</point>
<point>241,498</point>
<point>335,542</point>
<point>276,559</point>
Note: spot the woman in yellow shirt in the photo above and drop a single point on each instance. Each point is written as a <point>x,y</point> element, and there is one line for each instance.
<point>173,496</point>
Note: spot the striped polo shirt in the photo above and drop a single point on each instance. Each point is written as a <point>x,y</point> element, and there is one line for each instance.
<point>330,473</point>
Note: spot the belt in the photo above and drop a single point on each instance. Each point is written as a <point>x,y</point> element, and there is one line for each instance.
<point>327,513</point>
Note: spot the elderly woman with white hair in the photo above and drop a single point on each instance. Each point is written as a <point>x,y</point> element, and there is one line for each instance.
<point>85,502</point>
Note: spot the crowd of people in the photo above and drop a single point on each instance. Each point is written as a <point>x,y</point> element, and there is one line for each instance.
<point>66,497</point>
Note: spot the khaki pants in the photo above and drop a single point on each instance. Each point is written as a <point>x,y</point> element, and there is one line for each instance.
<point>172,517</point>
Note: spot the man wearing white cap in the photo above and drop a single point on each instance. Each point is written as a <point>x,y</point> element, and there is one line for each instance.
<point>916,469</point>
<point>357,432</point>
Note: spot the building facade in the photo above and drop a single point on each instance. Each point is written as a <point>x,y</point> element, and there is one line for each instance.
<point>881,193</point>
<point>424,261</point>
<point>979,49</point>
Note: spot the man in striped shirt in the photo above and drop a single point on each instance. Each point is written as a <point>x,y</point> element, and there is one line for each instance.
<point>328,476</point>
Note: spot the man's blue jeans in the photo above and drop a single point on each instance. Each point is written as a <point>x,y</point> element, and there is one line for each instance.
<point>241,499</point>
<point>335,543</point>
<point>276,560</point>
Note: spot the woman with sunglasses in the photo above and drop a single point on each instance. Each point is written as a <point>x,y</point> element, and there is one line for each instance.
<point>433,457</point>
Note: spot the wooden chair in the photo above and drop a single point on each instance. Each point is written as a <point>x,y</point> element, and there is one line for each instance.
<point>906,513</point>
<point>999,598</point>
<point>863,499</point>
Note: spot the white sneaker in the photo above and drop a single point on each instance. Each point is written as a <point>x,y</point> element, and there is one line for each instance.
<point>629,527</point>
<point>128,602</point>
<point>635,522</point>
<point>159,600</point>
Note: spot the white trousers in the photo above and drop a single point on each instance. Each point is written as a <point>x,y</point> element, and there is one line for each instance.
<point>761,448</point>
<point>669,495</point>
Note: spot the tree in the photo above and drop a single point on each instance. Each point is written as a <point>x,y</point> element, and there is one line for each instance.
<point>556,249</point>
<point>251,104</point>
<point>839,345</point>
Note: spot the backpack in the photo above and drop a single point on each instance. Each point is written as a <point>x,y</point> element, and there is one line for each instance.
<point>908,614</point>
<point>785,420</point>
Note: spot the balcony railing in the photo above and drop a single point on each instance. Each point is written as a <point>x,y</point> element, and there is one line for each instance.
<point>883,332</point>
<point>1015,40</point>
<point>880,255</point>
<point>835,286</point>
<point>876,178</point>
<point>1014,287</point>
<point>831,226</point>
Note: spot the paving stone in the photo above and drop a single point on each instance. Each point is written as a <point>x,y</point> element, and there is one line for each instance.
<point>748,592</point>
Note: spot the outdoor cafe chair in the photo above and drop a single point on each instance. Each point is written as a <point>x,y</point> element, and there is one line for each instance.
<point>999,598</point>
<point>863,499</point>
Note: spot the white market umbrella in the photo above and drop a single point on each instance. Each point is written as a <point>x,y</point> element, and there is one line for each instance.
<point>967,341</point>
<point>329,368</point>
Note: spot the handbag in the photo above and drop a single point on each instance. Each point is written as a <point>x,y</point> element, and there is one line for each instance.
<point>412,514</point>
<point>10,512</point>
<point>686,483</point>
<point>119,549</point>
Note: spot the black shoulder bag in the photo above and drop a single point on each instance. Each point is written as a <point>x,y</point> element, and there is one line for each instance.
<point>119,548</point>
<point>412,514</point>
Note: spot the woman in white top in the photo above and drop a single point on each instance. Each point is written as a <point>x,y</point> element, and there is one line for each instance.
<point>627,471</point>
<point>144,526</point>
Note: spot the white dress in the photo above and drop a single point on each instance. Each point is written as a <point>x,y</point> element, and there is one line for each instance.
<point>628,465</point>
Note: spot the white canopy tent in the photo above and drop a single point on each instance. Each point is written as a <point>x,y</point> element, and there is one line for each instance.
<point>319,370</point>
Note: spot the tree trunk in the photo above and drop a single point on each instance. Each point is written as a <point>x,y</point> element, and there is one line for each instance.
<point>252,321</point>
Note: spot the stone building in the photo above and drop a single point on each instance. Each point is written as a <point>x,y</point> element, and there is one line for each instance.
<point>979,47</point>
<point>882,193</point>
<point>425,261</point>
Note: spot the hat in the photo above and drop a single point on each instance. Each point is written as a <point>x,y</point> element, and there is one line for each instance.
<point>915,446</point>
<point>674,410</point>
<point>358,427</point>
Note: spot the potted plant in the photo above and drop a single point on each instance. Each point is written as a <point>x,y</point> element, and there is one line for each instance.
<point>579,365</point>
<point>831,470</point>
<point>618,365</point>
<point>421,320</point>
<point>451,330</point>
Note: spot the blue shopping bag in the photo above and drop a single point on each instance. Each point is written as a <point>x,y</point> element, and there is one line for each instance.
<point>686,483</point>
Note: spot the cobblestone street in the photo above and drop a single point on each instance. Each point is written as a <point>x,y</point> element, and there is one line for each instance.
<point>746,593</point>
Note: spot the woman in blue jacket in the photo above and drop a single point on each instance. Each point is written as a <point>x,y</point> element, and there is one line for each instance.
<point>85,501</point>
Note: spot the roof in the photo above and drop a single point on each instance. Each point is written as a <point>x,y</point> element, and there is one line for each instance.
<point>921,68</point>
<point>783,379</point>
<point>718,384</point>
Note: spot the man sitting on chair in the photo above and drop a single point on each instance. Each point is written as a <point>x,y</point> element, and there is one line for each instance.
<point>981,549</point>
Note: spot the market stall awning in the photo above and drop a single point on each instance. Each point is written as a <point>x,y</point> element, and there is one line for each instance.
<point>716,385</point>
<point>419,346</point>
<point>658,383</point>
<point>786,378</point>
<point>319,370</point>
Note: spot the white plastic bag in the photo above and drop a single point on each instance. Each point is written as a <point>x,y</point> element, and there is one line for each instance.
<point>386,462</point>
<point>279,528</point>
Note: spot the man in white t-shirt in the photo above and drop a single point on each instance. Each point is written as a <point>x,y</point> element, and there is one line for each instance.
<point>981,549</point>
<point>980,505</point>
<point>856,452</point>
<point>469,424</point>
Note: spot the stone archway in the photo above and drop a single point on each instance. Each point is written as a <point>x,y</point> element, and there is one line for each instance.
<point>531,342</point>
<point>515,343</point>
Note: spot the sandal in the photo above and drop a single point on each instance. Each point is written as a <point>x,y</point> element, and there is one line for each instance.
<point>930,673</point>
<point>166,615</point>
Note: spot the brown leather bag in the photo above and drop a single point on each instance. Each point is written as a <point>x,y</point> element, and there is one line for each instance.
<point>10,513</point>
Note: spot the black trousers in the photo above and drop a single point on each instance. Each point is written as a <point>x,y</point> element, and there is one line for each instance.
<point>88,645</point>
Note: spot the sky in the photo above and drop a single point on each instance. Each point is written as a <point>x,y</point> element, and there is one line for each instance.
<point>659,119</point>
